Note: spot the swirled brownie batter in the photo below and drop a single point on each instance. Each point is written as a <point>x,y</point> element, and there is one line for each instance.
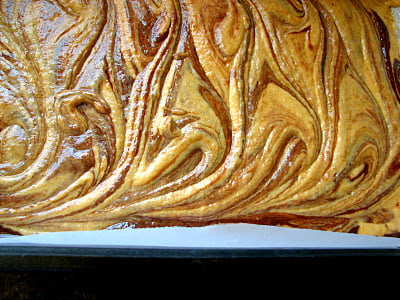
<point>139,113</point>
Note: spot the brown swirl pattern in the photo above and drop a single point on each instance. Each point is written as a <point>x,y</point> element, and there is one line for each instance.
<point>175,112</point>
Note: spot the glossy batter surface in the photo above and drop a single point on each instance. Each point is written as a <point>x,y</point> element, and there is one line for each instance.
<point>117,113</point>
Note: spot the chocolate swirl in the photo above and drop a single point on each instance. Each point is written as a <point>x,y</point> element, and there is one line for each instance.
<point>155,113</point>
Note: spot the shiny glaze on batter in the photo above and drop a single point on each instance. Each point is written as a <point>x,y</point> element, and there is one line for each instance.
<point>141,113</point>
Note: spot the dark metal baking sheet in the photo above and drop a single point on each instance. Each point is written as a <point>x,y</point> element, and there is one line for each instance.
<point>151,259</point>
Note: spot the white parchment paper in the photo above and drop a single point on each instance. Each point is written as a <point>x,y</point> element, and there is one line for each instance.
<point>244,236</point>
